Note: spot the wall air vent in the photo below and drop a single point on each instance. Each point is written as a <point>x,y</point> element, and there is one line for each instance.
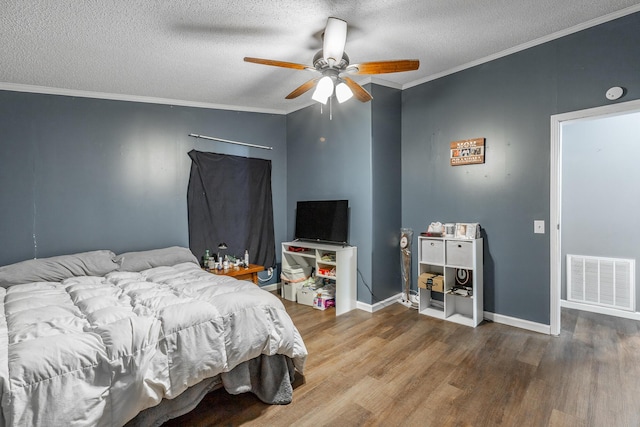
<point>607,282</point>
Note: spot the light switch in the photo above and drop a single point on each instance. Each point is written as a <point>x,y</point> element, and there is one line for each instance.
<point>538,226</point>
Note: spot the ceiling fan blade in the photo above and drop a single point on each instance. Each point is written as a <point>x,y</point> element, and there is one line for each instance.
<point>382,67</point>
<point>275,63</point>
<point>334,39</point>
<point>302,88</point>
<point>358,91</point>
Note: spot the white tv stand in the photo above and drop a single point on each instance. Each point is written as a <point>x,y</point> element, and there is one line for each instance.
<point>345,265</point>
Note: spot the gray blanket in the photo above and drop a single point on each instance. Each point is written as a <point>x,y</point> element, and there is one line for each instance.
<point>268,377</point>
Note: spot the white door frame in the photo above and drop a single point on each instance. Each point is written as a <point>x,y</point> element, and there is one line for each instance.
<point>555,194</point>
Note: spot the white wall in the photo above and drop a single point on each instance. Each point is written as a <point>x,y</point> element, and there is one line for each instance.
<point>601,189</point>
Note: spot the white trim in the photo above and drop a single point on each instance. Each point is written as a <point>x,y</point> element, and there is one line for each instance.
<point>272,287</point>
<point>536,42</point>
<point>14,87</point>
<point>309,103</point>
<point>45,90</point>
<point>554,227</point>
<point>517,323</point>
<point>602,111</point>
<point>601,310</point>
<point>359,305</point>
<point>555,259</point>
<point>381,82</point>
<point>379,305</point>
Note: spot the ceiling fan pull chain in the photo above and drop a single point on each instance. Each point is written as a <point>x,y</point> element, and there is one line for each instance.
<point>331,108</point>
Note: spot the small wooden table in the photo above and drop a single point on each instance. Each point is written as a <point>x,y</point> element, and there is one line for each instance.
<point>241,273</point>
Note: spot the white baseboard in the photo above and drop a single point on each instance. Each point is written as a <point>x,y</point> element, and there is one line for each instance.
<point>546,329</point>
<point>633,315</point>
<point>518,323</point>
<point>271,287</point>
<point>379,305</point>
<point>359,305</point>
<point>497,318</point>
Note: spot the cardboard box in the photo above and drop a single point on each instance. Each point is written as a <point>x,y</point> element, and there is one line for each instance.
<point>424,278</point>
<point>323,302</point>
<point>437,283</point>
<point>432,281</point>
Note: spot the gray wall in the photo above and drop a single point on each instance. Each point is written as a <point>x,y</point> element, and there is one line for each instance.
<point>509,102</point>
<point>79,174</point>
<point>386,163</point>
<point>600,192</point>
<point>331,159</point>
<point>355,156</point>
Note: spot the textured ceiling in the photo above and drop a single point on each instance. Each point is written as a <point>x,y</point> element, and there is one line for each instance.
<point>192,51</point>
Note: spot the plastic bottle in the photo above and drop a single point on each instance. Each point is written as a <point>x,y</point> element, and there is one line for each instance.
<point>205,258</point>
<point>246,258</point>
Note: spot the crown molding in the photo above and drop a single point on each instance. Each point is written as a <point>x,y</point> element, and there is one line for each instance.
<point>45,90</point>
<point>585,25</point>
<point>375,80</point>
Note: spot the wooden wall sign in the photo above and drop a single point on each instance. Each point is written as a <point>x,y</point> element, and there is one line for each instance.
<point>467,152</point>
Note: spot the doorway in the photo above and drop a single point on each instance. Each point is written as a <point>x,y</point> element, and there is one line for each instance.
<point>557,123</point>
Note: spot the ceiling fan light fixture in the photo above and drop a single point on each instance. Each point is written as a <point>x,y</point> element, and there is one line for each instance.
<point>343,92</point>
<point>324,90</point>
<point>332,68</point>
<point>334,39</point>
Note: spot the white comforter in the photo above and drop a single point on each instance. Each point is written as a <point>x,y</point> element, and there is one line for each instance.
<point>97,350</point>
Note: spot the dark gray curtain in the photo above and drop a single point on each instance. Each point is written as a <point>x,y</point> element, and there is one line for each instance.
<point>229,200</point>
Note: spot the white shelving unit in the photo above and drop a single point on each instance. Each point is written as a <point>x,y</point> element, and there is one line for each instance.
<point>345,266</point>
<point>445,256</point>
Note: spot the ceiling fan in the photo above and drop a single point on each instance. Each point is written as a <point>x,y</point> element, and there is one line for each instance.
<point>332,65</point>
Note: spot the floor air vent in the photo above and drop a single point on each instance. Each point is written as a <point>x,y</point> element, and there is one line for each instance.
<point>608,282</point>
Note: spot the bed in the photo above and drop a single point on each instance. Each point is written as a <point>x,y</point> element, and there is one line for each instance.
<point>138,338</point>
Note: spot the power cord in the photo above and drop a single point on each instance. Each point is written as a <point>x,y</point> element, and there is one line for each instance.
<point>411,300</point>
<point>270,272</point>
<point>375,298</point>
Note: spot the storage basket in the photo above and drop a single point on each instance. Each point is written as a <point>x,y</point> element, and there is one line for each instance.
<point>295,273</point>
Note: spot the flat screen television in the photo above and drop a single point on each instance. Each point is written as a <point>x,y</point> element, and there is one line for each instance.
<point>324,221</point>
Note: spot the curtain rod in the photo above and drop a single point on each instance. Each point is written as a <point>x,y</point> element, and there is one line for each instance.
<point>195,135</point>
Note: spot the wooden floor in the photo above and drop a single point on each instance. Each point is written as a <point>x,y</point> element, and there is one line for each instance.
<point>398,368</point>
